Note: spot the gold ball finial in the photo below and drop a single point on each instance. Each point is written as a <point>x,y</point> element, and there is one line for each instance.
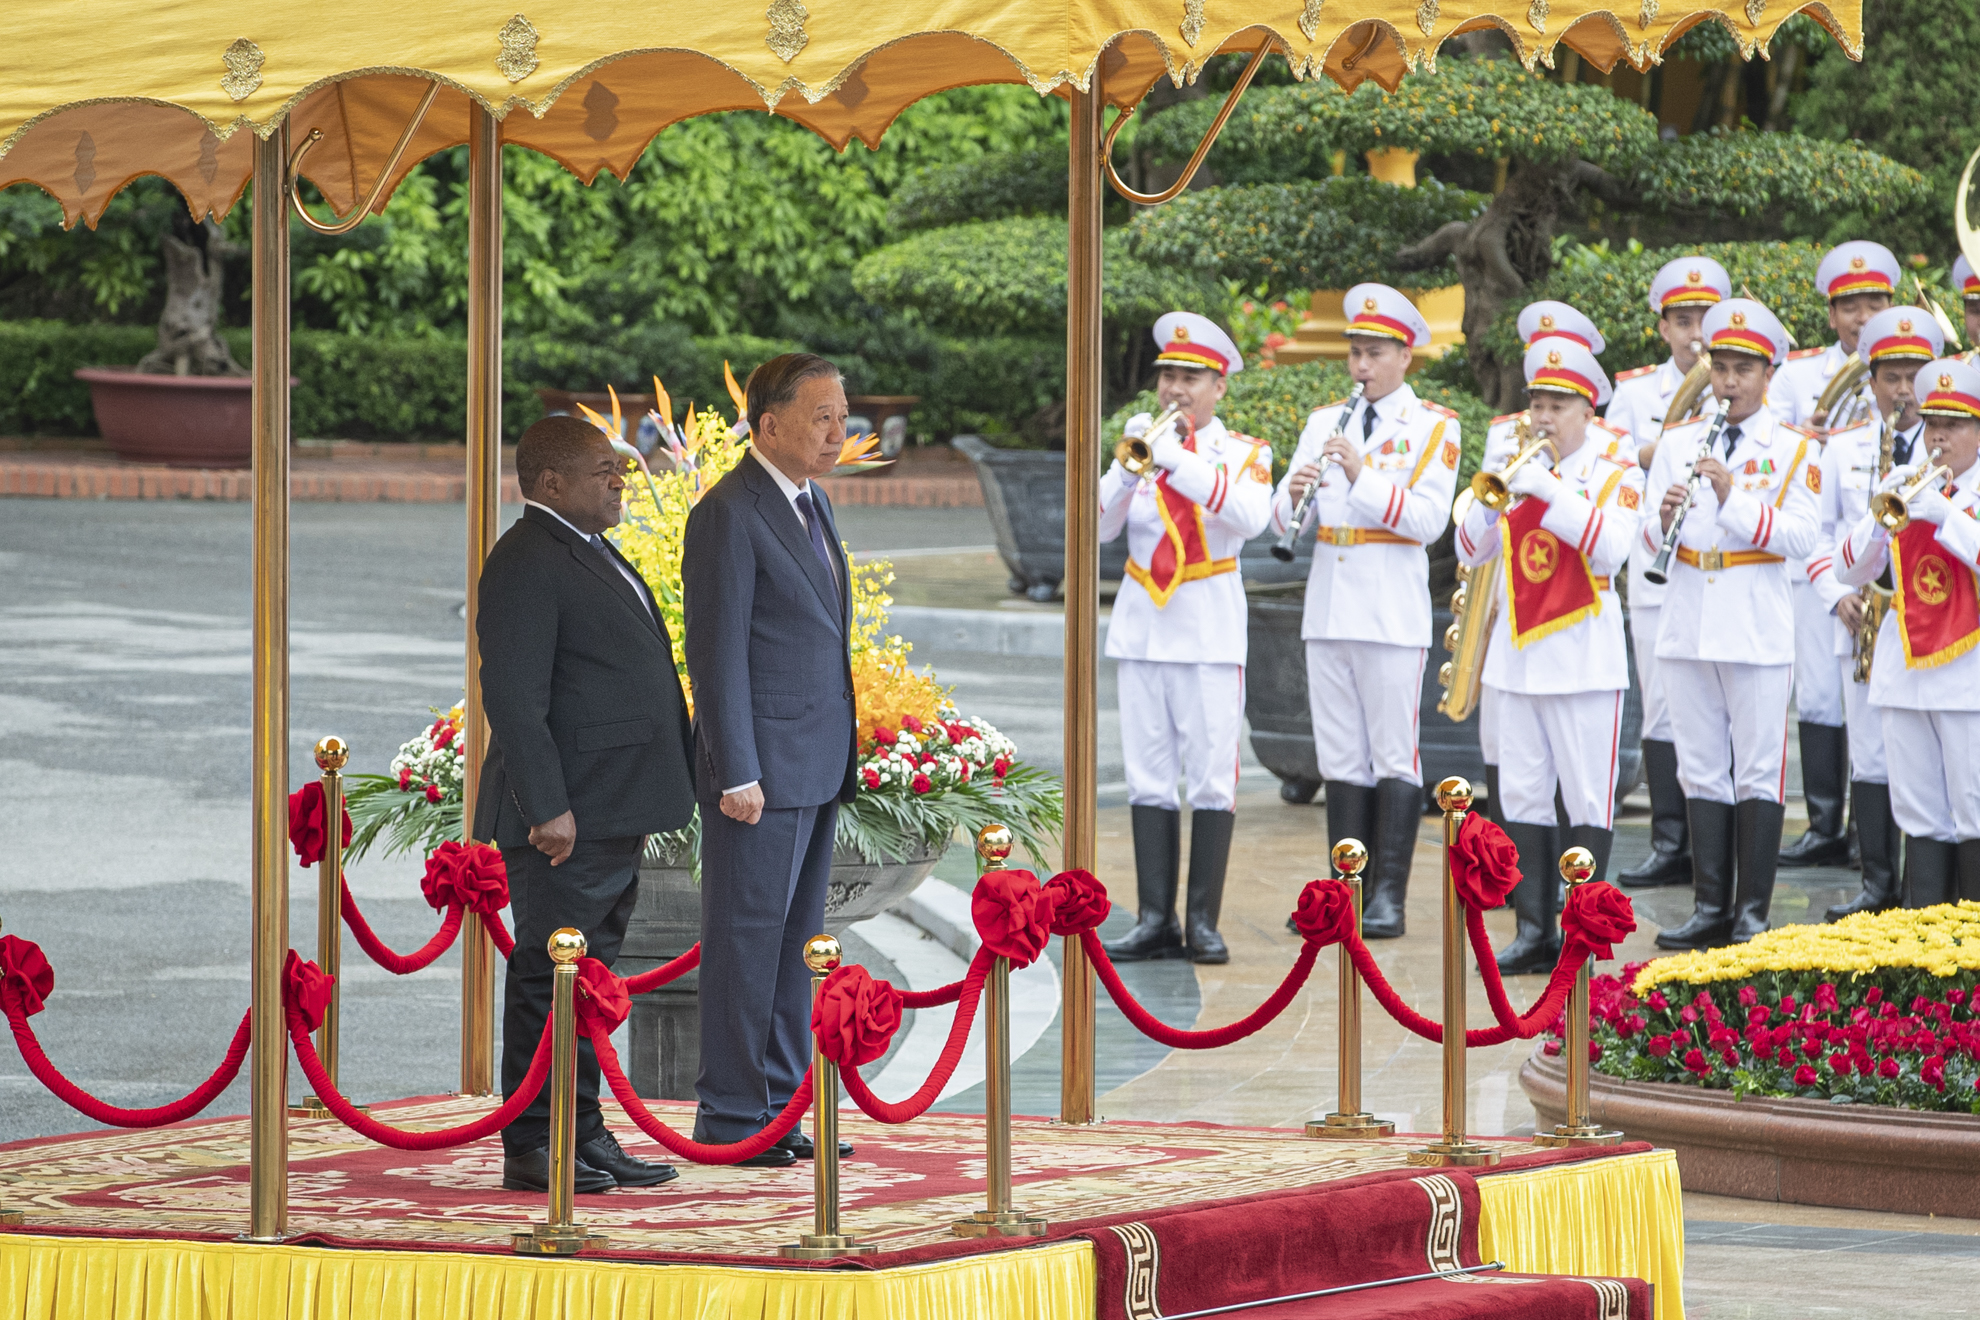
<point>567,946</point>
<point>1349,856</point>
<point>994,843</point>
<point>1577,866</point>
<point>331,753</point>
<point>822,953</point>
<point>1454,794</point>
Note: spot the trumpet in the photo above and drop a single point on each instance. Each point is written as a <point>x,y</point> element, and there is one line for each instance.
<point>1282,549</point>
<point>1659,571</point>
<point>1137,454</point>
<point>1892,508</point>
<point>1490,488</point>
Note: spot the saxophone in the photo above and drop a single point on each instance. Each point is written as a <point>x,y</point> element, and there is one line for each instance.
<point>1876,600</point>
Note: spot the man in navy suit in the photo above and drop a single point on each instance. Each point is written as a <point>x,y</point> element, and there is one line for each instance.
<point>767,606</point>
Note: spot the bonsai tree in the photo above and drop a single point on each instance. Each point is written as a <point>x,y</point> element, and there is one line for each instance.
<point>1564,146</point>
<point>189,342</point>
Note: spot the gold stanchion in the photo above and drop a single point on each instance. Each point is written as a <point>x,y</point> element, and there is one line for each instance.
<point>993,847</point>
<point>1349,1120</point>
<point>821,955</point>
<point>10,1218</point>
<point>560,1234</point>
<point>1578,1129</point>
<point>331,756</point>
<point>997,1218</point>
<point>1454,796</point>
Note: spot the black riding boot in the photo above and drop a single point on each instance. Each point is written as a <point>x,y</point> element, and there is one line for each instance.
<point>1711,825</point>
<point>1209,854</point>
<point>1878,842</point>
<point>1824,770</point>
<point>1157,856</point>
<point>1929,871</point>
<point>1597,841</point>
<point>1968,870</point>
<point>1669,862</point>
<point>1398,808</point>
<point>1757,827</point>
<point>1537,945</point>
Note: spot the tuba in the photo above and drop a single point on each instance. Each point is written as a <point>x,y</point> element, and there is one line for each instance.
<point>1475,604</point>
<point>1845,383</point>
<point>1876,600</point>
<point>1690,391</point>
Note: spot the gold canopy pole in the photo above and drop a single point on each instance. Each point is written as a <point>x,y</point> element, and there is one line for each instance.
<point>484,496</point>
<point>268,1130</point>
<point>1082,578</point>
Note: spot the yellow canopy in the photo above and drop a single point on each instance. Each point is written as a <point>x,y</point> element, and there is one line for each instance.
<point>94,93</point>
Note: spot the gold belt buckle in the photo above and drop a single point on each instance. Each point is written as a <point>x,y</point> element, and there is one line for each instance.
<point>1344,536</point>
<point>1712,561</point>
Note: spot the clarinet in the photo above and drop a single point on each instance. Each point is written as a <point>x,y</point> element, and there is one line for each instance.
<point>1659,571</point>
<point>1282,550</point>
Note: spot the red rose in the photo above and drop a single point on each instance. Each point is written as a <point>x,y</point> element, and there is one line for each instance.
<point>405,776</point>
<point>1811,1047</point>
<point>1804,1076</point>
<point>922,784</point>
<point>1598,915</point>
<point>446,738</point>
<point>1659,1046</point>
<point>1932,1072</point>
<point>1325,914</point>
<point>1872,995</point>
<point>883,735</point>
<point>1825,998</point>
<point>1657,1001</point>
<point>1079,902</point>
<point>1888,1068</point>
<point>474,877</point>
<point>306,832</point>
<point>1013,915</point>
<point>1630,1026</point>
<point>1787,1005</point>
<point>1551,1048</point>
<point>1694,1061</point>
<point>1786,1057</point>
<point>1688,1013</point>
<point>1748,996</point>
<point>306,988</point>
<point>25,976</point>
<point>1839,1063</point>
<point>1001,766</point>
<point>1484,863</point>
<point>433,792</point>
<point>855,1016</point>
<point>911,724</point>
<point>1955,996</point>
<point>871,776</point>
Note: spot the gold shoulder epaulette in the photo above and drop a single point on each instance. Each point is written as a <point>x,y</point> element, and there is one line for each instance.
<point>1634,372</point>
<point>1805,432</point>
<point>1795,355</point>
<point>1437,408</point>
<point>1509,417</point>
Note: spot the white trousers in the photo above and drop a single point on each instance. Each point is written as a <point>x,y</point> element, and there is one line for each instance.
<point>1366,698</point>
<point>1730,715</point>
<point>1818,686</point>
<point>1866,728</point>
<point>1935,776</point>
<point>1179,719</point>
<point>1569,739</point>
<point>1488,723</point>
<point>1649,678</point>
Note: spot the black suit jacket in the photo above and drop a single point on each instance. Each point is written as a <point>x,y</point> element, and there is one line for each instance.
<point>585,711</point>
<point>767,646</point>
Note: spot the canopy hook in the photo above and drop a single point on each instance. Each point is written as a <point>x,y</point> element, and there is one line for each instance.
<point>344,224</point>
<point>1202,149</point>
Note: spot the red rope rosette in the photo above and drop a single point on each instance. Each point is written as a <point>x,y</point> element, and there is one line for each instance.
<point>969,992</point>
<point>26,981</point>
<point>1597,916</point>
<point>306,833</point>
<point>458,879</point>
<point>1484,863</point>
<point>855,1017</point>
<point>1079,902</point>
<point>1013,915</point>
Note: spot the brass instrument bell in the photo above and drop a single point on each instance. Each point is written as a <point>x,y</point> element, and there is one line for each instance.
<point>1892,508</point>
<point>1137,454</point>
<point>1490,488</point>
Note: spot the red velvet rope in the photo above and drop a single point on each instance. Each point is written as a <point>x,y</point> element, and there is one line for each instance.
<point>968,991</point>
<point>90,1107</point>
<point>935,998</point>
<point>665,972</point>
<point>403,1138</point>
<point>1177,1038</point>
<point>1478,1037</point>
<point>683,1147</point>
<point>1553,1000</point>
<point>505,943</point>
<point>400,964</point>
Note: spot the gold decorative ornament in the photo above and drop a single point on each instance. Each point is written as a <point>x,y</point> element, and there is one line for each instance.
<point>822,953</point>
<point>786,37</point>
<point>332,753</point>
<point>1536,16</point>
<point>1180,334</point>
<point>567,945</point>
<point>994,843</point>
<point>243,77</point>
<point>517,59</point>
<point>1426,17</point>
<point>1547,323</point>
<point>1309,19</point>
<point>1904,326</point>
<point>1738,320</point>
<point>1647,14</point>
<point>1368,305</point>
<point>1945,382</point>
<point>1755,8</point>
<point>1554,357</point>
<point>1856,263</point>
<point>1694,277</point>
<point>1192,24</point>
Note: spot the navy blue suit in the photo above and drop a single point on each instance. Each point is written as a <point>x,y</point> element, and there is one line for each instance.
<point>766,641</point>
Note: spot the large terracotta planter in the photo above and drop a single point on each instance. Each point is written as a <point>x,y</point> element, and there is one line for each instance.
<point>178,421</point>
<point>1807,1152</point>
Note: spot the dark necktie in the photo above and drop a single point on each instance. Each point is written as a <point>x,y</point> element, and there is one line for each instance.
<point>812,524</point>
<point>1900,449</point>
<point>1732,439</point>
<point>1367,422</point>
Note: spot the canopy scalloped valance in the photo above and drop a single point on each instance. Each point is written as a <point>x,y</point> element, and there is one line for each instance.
<point>88,104</point>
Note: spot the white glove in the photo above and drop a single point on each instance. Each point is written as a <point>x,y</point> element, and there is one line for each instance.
<point>1167,449</point>
<point>1531,479</point>
<point>1897,477</point>
<point>1137,426</point>
<point>1930,506</point>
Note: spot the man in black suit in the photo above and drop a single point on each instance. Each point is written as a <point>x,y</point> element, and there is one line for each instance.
<point>764,585</point>
<point>589,752</point>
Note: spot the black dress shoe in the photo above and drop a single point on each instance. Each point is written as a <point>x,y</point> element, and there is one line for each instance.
<point>606,1155</point>
<point>531,1173</point>
<point>800,1146</point>
<point>776,1157</point>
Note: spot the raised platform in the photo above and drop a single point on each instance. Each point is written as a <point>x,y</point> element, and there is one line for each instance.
<point>143,1224</point>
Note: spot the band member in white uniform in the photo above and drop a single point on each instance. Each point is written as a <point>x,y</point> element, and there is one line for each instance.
<point>1557,661</point>
<point>1682,293</point>
<point>1858,279</point>
<point>1926,676</point>
<point>1179,633</point>
<point>1725,641</point>
<point>1536,321</point>
<point>1968,285</point>
<point>1385,494</point>
<point>1896,342</point>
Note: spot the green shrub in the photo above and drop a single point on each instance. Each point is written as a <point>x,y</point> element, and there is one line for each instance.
<point>990,188</point>
<point>39,394</point>
<point>1779,182</point>
<point>1316,234</point>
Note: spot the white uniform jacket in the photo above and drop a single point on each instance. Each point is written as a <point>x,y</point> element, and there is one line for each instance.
<point>1205,622</point>
<point>1737,612</point>
<point>1792,395</point>
<point>1849,478</point>
<point>1371,575</point>
<point>1595,516</point>
<point>1637,408</point>
<point>1863,555</point>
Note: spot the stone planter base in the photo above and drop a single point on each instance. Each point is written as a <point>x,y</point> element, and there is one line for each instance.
<point>1807,1152</point>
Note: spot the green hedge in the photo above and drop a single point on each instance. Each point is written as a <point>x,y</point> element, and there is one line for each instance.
<point>1317,234</point>
<point>39,394</point>
<point>1273,403</point>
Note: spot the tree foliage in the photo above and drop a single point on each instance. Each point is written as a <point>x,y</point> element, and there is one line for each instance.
<point>1775,182</point>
